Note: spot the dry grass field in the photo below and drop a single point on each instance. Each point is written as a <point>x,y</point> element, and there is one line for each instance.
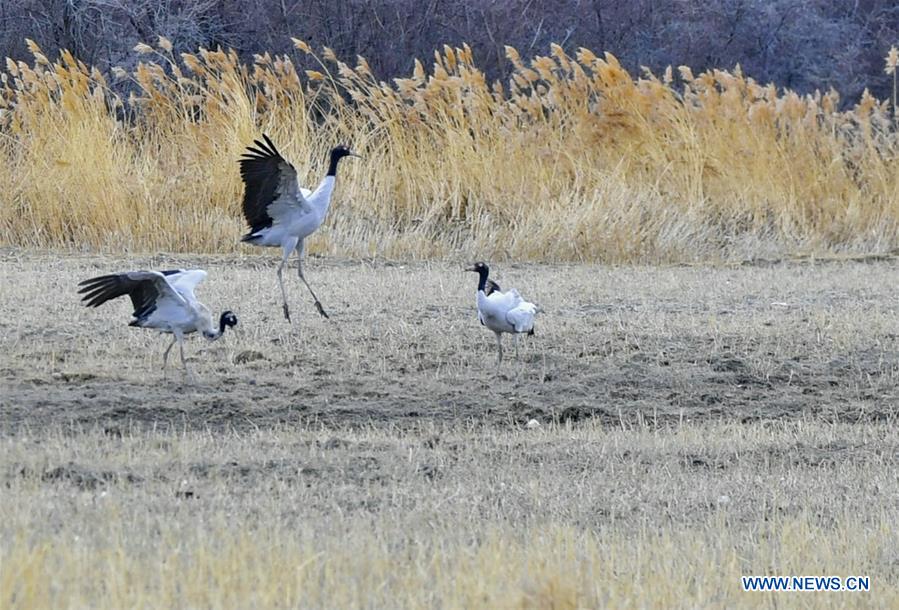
<point>697,424</point>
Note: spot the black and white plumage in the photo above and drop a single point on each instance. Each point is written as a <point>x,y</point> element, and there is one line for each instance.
<point>280,212</point>
<point>162,300</point>
<point>502,312</point>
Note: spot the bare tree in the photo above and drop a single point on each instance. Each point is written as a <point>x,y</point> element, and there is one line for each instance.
<point>804,44</point>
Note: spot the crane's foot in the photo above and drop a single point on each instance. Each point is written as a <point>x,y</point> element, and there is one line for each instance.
<point>286,312</point>
<point>321,310</point>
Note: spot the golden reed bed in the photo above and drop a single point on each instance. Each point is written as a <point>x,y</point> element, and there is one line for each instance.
<point>572,159</point>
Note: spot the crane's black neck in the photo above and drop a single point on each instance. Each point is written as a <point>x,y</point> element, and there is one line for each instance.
<point>483,272</point>
<point>335,159</point>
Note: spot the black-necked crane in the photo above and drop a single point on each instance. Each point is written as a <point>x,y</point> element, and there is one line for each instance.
<point>162,300</point>
<point>279,211</point>
<point>502,312</point>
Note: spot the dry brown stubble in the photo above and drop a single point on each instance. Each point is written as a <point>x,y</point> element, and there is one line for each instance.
<point>697,424</point>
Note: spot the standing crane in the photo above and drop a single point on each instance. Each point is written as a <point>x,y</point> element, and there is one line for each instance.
<point>279,211</point>
<point>502,312</point>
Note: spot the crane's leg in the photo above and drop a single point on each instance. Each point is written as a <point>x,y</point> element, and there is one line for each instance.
<point>516,346</point>
<point>318,304</point>
<point>499,347</point>
<point>286,248</point>
<point>180,338</point>
<point>165,356</point>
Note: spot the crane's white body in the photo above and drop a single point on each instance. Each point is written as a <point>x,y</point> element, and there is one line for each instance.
<point>177,308</point>
<point>506,312</point>
<point>297,220</point>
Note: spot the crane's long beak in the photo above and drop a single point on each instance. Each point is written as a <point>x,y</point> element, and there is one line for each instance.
<point>352,154</point>
<point>472,268</point>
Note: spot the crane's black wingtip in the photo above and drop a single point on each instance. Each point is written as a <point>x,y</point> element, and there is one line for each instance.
<point>95,280</point>
<point>95,283</point>
<point>260,151</point>
<point>94,299</point>
<point>254,154</point>
<point>266,145</point>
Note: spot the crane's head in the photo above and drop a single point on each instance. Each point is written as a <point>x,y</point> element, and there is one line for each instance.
<point>228,319</point>
<point>480,268</point>
<point>340,151</point>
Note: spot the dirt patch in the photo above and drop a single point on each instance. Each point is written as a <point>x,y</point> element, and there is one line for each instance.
<point>86,478</point>
<point>403,349</point>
